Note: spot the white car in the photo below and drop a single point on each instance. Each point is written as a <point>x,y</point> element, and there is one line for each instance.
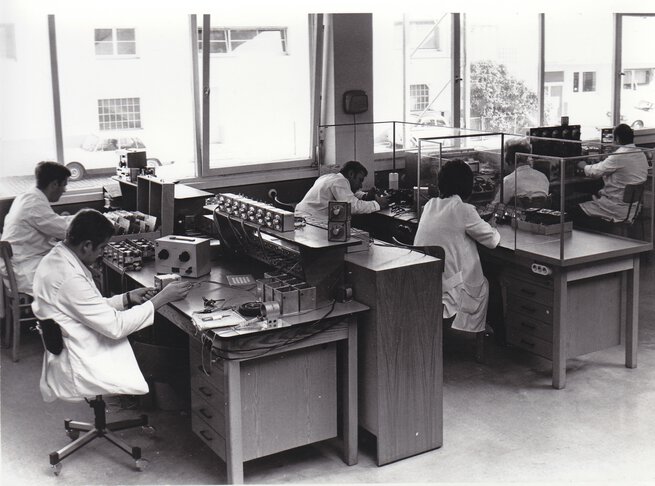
<point>640,115</point>
<point>101,152</point>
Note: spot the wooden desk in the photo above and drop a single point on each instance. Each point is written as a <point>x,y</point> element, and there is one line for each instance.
<point>588,303</point>
<point>400,350</point>
<point>259,392</point>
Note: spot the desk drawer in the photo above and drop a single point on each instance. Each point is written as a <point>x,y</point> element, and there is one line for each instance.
<point>529,326</point>
<point>530,343</point>
<point>208,435</point>
<point>206,387</point>
<point>528,290</point>
<point>202,368</point>
<point>211,412</point>
<point>529,308</point>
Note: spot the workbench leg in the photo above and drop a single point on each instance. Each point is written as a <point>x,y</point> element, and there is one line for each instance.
<point>632,315</point>
<point>349,372</point>
<point>233,433</point>
<point>560,330</point>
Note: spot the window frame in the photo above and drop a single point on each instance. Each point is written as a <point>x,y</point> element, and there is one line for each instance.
<point>134,101</point>
<point>115,43</point>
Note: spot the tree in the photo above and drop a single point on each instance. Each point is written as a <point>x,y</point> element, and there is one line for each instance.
<point>505,102</point>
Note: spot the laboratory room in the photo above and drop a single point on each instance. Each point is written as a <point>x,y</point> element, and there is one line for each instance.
<point>345,243</point>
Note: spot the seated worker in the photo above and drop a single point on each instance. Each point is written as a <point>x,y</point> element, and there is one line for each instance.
<point>524,181</point>
<point>97,358</point>
<point>31,226</point>
<point>343,186</point>
<point>451,223</point>
<point>617,171</point>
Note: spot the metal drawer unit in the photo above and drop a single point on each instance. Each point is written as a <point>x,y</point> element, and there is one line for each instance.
<point>529,313</point>
<point>207,398</point>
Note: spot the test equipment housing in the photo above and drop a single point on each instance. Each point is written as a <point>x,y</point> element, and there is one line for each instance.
<point>187,256</point>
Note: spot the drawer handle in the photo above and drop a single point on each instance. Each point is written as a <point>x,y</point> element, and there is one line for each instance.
<point>528,292</point>
<point>527,343</point>
<point>205,414</point>
<point>206,435</point>
<point>205,391</point>
<point>528,309</point>
<point>529,326</point>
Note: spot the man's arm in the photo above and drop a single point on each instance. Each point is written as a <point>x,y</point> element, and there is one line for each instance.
<point>341,192</point>
<point>80,301</point>
<point>45,220</point>
<point>607,166</point>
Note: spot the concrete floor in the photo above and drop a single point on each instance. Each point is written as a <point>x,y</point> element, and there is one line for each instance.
<point>503,423</point>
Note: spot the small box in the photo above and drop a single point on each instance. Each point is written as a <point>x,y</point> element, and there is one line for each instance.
<point>338,211</point>
<point>338,230</point>
<point>287,297</point>
<point>162,281</point>
<point>185,255</point>
<point>269,289</point>
<point>261,284</point>
<point>306,297</point>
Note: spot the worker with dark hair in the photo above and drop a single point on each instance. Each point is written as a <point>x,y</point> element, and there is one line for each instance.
<point>344,186</point>
<point>31,226</point>
<point>627,165</point>
<point>448,221</point>
<point>524,181</point>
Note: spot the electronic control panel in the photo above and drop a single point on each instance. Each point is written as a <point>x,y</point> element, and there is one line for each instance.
<point>184,255</point>
<point>257,212</point>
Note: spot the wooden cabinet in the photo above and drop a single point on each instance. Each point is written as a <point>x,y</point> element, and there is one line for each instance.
<point>400,354</point>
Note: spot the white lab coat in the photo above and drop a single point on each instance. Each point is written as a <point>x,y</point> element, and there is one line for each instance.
<point>617,170</point>
<point>332,187</point>
<point>32,228</point>
<point>97,357</point>
<point>524,182</point>
<point>456,226</point>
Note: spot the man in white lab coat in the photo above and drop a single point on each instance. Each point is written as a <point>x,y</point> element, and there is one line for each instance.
<point>31,226</point>
<point>448,221</point>
<point>627,165</point>
<point>343,186</point>
<point>524,181</point>
<point>97,357</point>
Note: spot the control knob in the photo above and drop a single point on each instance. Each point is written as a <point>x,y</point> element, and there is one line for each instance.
<point>184,256</point>
<point>163,254</point>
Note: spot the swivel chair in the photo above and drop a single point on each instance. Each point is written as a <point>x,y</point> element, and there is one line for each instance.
<point>633,195</point>
<point>53,342</point>
<point>17,304</point>
<point>439,252</point>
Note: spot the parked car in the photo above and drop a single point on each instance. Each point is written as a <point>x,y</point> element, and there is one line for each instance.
<point>420,125</point>
<point>640,115</point>
<point>101,152</point>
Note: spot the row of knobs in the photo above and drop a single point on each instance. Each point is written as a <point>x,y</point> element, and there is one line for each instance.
<point>164,254</point>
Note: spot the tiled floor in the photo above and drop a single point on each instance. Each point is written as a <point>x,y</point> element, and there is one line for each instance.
<point>502,423</point>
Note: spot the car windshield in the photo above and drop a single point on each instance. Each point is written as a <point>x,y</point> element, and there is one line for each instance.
<point>90,143</point>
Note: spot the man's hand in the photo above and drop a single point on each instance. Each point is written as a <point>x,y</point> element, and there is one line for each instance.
<point>370,194</point>
<point>382,201</point>
<point>139,296</point>
<point>172,292</point>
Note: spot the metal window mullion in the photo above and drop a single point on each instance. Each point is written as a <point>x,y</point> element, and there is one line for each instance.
<point>541,68</point>
<point>56,96</point>
<point>316,31</point>
<point>197,127</point>
<point>616,69</point>
<point>456,76</point>
<point>206,28</point>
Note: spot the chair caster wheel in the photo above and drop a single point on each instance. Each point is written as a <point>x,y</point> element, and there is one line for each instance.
<point>148,430</point>
<point>73,434</point>
<point>141,464</point>
<point>56,468</point>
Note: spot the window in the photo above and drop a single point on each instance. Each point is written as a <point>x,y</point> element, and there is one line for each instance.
<point>119,113</point>
<point>224,40</point>
<point>420,95</point>
<point>633,78</point>
<point>576,82</point>
<point>115,42</point>
<point>589,81</point>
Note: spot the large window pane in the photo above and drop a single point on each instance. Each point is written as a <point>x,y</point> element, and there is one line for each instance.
<point>26,118</point>
<point>411,84</point>
<point>638,83</point>
<point>128,102</point>
<point>578,81</point>
<point>260,97</point>
<point>499,67</point>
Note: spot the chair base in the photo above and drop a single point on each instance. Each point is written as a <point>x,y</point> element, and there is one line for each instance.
<point>99,429</point>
